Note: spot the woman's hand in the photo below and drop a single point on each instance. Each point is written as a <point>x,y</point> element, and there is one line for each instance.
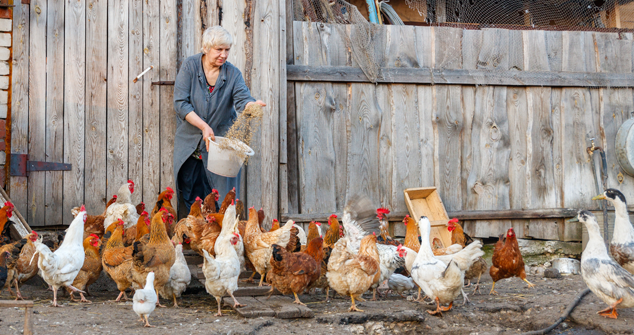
<point>208,133</point>
<point>259,102</point>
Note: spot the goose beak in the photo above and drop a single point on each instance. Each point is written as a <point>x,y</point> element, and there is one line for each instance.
<point>575,219</point>
<point>599,197</point>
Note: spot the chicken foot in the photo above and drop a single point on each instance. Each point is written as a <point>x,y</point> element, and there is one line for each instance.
<point>492,290</point>
<point>262,281</point>
<point>530,285</point>
<point>353,307</point>
<point>236,304</point>
<point>438,310</point>
<point>125,297</point>
<point>297,300</point>
<point>374,295</point>
<point>327,294</point>
<point>158,300</point>
<point>610,312</point>
<point>250,279</point>
<point>175,302</point>
<point>17,290</point>
<point>54,304</point>
<point>83,299</point>
<point>465,299</point>
<point>147,323</point>
<point>476,288</point>
<point>218,299</point>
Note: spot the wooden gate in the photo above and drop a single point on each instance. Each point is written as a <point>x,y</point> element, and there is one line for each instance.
<point>74,101</point>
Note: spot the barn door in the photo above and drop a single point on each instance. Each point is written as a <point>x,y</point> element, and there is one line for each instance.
<point>76,110</point>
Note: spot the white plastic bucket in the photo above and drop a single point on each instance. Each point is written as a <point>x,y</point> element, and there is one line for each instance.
<point>225,162</point>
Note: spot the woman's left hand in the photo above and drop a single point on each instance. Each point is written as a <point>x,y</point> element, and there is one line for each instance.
<point>259,102</point>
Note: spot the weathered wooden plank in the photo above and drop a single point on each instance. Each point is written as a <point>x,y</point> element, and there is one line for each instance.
<point>96,100</point>
<point>283,113</point>
<point>387,146</point>
<point>541,213</point>
<point>292,172</point>
<point>520,123</point>
<point>494,53</point>
<point>74,105</point>
<point>471,45</point>
<point>341,94</point>
<point>448,48</point>
<point>135,98</point>
<point>516,51</point>
<point>233,19</point>
<point>285,308</point>
<point>557,123</point>
<point>151,102</point>
<point>426,137</point>
<point>460,77</point>
<point>20,99</point>
<point>448,123</point>
<point>37,110</point>
<point>168,55</point>
<point>613,53</point>
<point>535,51</point>
<point>117,95</point>
<point>488,180</point>
<point>189,14</point>
<point>54,110</point>
<point>544,187</point>
<point>254,308</point>
<point>315,106</point>
<point>263,183</point>
<point>363,147</point>
<point>424,46</point>
<point>401,47</point>
<point>406,160</point>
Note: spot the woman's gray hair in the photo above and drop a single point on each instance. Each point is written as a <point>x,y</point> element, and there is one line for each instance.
<point>215,36</point>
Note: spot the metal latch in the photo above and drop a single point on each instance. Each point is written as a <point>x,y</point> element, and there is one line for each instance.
<point>21,166</point>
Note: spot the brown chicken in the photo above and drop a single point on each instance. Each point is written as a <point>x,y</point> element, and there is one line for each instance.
<point>211,200</point>
<point>91,269</point>
<point>5,213</point>
<point>313,231</point>
<point>208,239</point>
<point>350,274</point>
<point>240,210</point>
<point>13,250</point>
<point>257,245</point>
<point>275,225</point>
<point>294,272</point>
<point>164,200</point>
<point>480,266</point>
<point>140,208</point>
<point>411,233</point>
<point>333,233</point>
<point>242,225</point>
<point>507,260</point>
<point>157,255</point>
<point>294,244</point>
<point>228,200</point>
<point>117,259</point>
<point>137,231</point>
<point>384,226</point>
<point>24,267</point>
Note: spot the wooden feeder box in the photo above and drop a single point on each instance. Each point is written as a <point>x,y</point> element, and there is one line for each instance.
<point>425,201</point>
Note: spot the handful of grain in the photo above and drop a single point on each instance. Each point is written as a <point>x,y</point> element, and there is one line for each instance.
<point>243,129</point>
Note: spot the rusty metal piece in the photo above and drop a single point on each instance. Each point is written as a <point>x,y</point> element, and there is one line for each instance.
<point>21,165</point>
<point>624,146</point>
<point>163,82</point>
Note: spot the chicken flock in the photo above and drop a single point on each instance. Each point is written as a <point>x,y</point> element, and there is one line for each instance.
<point>144,252</point>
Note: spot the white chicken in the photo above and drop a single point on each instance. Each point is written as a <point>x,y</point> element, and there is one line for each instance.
<point>230,226</point>
<point>441,277</point>
<point>359,218</point>
<point>60,268</point>
<point>301,235</point>
<point>399,284</point>
<point>222,272</point>
<point>622,243</point>
<point>122,208</point>
<point>604,277</point>
<point>145,300</point>
<point>180,277</point>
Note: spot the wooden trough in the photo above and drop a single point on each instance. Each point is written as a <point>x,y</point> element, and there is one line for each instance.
<point>425,201</point>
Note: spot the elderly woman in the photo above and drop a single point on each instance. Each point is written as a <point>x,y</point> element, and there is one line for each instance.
<point>207,93</point>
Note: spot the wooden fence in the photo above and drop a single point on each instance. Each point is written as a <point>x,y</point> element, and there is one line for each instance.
<point>490,147</point>
<point>73,99</point>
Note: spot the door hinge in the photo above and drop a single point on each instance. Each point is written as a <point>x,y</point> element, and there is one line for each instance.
<point>20,166</point>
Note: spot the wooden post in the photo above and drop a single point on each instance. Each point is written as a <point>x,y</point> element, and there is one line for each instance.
<point>613,16</point>
<point>28,321</point>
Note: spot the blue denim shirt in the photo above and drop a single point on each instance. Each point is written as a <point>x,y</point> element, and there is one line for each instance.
<point>218,108</point>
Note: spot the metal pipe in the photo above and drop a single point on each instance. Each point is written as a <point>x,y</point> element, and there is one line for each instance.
<point>372,11</point>
<point>603,168</point>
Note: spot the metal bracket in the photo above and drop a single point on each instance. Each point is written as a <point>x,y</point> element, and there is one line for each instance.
<point>163,82</point>
<point>20,166</point>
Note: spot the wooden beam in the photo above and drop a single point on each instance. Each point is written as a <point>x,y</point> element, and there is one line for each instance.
<point>548,213</point>
<point>347,74</point>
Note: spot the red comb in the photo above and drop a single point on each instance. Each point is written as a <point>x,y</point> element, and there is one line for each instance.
<point>236,234</point>
<point>82,209</point>
<point>95,236</point>
<point>454,220</point>
<point>333,216</point>
<point>169,189</point>
<point>163,209</point>
<point>114,196</point>
<point>275,220</point>
<point>318,223</point>
<point>234,189</point>
<point>374,233</point>
<point>144,213</point>
<point>199,199</point>
<point>214,191</point>
<point>131,182</point>
<point>382,210</point>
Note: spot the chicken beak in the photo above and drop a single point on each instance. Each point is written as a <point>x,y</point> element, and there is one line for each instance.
<point>599,197</point>
<point>575,219</point>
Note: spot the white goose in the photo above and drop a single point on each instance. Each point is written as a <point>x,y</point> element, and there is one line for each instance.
<point>622,243</point>
<point>604,277</point>
<point>440,281</point>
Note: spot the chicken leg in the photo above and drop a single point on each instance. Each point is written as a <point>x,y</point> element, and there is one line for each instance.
<point>175,302</point>
<point>530,285</point>
<point>122,294</point>
<point>476,288</point>
<point>492,290</point>
<point>55,298</point>
<point>438,310</point>
<point>353,307</point>
<point>158,299</point>
<point>374,295</point>
<point>147,323</point>
<point>218,299</point>
<point>297,300</point>
<point>236,304</point>
<point>610,312</point>
<point>250,279</point>
<point>262,281</point>
<point>17,290</point>
<point>327,294</point>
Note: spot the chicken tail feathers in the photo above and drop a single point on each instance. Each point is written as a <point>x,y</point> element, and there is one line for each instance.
<point>137,253</point>
<point>362,210</point>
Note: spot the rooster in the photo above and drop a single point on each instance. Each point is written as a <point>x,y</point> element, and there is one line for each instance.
<point>157,255</point>
<point>384,226</point>
<point>507,261</point>
<point>122,208</point>
<point>5,214</point>
<point>210,203</point>
<point>91,269</point>
<point>60,268</point>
